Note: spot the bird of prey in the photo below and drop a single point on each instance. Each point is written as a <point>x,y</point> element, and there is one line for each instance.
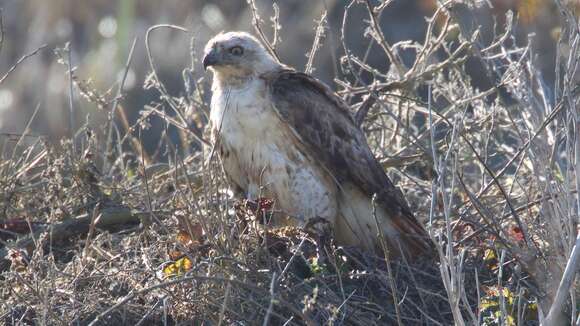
<point>284,135</point>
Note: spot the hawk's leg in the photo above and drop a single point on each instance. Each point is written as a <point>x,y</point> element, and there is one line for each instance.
<point>320,229</point>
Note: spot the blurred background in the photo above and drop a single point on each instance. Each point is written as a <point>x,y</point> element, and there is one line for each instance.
<point>101,32</point>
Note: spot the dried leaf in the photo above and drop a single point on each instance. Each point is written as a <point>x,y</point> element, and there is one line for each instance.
<point>516,233</point>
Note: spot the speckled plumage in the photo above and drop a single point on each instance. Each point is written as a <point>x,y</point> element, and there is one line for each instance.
<point>252,143</point>
<point>284,135</point>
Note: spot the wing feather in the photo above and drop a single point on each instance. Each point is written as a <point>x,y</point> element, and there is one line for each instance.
<point>324,125</point>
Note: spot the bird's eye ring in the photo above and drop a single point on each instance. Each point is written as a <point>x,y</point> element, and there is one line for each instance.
<point>237,50</point>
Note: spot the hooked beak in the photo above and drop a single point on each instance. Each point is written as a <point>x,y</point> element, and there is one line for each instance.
<point>210,59</point>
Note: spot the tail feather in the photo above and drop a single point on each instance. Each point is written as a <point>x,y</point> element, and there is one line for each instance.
<point>356,225</point>
<point>414,236</point>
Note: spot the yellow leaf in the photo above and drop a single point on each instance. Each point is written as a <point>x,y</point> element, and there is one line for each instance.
<point>508,295</point>
<point>511,321</point>
<point>487,304</point>
<point>178,267</point>
<point>489,255</point>
<point>184,264</point>
<point>170,269</point>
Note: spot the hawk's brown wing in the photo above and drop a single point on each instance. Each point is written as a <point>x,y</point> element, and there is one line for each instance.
<point>323,124</point>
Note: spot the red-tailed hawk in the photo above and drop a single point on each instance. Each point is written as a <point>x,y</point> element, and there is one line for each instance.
<point>284,135</point>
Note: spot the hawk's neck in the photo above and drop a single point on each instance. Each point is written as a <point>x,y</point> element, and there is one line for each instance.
<point>221,82</point>
<point>224,80</point>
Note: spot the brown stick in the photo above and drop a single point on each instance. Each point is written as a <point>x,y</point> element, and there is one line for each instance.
<point>110,217</point>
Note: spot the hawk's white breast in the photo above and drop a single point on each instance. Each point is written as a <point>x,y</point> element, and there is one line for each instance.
<point>261,155</point>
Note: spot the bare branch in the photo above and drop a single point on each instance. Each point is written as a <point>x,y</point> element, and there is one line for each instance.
<point>321,26</point>
<point>257,22</point>
<point>22,59</point>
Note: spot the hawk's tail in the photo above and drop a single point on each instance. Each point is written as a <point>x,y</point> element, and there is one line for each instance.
<point>413,237</point>
<point>357,226</point>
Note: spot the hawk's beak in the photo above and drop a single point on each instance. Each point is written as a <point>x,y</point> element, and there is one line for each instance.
<point>210,59</point>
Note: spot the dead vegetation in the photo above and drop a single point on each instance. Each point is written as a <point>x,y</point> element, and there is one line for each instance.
<point>96,230</point>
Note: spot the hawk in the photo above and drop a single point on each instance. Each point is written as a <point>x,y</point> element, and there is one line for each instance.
<point>283,134</point>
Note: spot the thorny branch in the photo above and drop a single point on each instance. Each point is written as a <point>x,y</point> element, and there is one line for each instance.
<point>257,22</point>
<point>319,35</point>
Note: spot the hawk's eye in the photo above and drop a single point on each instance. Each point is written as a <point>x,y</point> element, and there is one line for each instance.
<point>237,50</point>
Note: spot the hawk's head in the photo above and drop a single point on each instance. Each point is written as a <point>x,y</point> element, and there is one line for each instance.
<point>237,55</point>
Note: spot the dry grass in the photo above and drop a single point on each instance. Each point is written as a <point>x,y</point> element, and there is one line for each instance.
<point>492,173</point>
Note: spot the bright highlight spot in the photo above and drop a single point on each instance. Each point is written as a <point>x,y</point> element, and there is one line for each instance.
<point>6,99</point>
<point>212,16</point>
<point>108,27</point>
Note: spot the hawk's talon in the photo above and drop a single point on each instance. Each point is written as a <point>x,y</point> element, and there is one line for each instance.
<point>319,229</point>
